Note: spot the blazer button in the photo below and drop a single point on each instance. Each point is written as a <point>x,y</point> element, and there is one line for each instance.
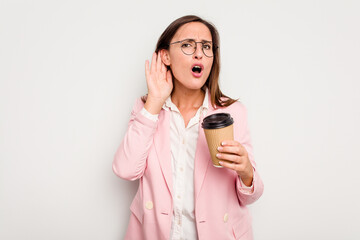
<point>226,217</point>
<point>149,205</point>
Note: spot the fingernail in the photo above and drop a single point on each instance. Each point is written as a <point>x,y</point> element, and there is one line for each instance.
<point>219,148</point>
<point>223,143</point>
<point>220,162</point>
<point>218,155</point>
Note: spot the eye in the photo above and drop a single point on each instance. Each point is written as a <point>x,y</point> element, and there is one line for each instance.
<point>207,46</point>
<point>187,44</point>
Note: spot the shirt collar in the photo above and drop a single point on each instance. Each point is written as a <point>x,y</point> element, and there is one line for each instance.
<point>169,105</point>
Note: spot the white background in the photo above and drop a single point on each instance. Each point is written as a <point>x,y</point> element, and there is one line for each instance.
<point>70,72</point>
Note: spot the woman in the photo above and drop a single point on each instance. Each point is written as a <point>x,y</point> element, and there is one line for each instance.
<point>181,195</point>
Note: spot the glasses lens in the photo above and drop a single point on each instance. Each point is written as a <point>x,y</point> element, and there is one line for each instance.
<point>207,49</point>
<point>188,46</point>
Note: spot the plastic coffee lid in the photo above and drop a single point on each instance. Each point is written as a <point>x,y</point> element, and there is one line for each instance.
<point>217,120</point>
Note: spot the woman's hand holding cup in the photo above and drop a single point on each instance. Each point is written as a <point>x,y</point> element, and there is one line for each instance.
<point>237,159</point>
<point>226,153</point>
<point>159,83</point>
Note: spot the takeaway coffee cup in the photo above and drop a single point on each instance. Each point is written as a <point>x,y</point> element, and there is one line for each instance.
<point>217,127</point>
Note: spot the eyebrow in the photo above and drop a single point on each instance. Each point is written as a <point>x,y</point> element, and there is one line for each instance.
<point>203,40</point>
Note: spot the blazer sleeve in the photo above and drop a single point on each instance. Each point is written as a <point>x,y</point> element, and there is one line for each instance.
<point>131,156</point>
<point>244,138</point>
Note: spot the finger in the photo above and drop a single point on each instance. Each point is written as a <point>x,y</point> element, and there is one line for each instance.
<point>229,157</point>
<point>159,62</point>
<point>147,71</point>
<point>239,150</point>
<point>228,165</point>
<point>153,63</point>
<point>230,143</point>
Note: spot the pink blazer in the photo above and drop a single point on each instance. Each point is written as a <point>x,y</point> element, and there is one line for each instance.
<point>220,207</point>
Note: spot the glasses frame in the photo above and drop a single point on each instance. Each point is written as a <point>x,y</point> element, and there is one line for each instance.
<point>214,48</point>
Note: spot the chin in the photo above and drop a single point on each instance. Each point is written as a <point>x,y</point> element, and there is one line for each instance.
<point>192,82</point>
<point>195,84</point>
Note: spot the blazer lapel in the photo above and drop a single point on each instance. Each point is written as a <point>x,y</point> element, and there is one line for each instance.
<point>162,146</point>
<point>202,155</point>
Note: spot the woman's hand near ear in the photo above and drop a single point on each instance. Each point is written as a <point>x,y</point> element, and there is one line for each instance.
<point>159,84</point>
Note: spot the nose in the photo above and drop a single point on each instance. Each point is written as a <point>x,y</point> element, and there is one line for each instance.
<point>198,54</point>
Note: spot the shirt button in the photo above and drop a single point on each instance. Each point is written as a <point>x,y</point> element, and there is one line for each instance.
<point>178,196</point>
<point>226,217</point>
<point>149,205</point>
<point>181,169</point>
<point>183,141</point>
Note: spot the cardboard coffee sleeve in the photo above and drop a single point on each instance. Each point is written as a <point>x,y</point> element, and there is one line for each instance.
<point>217,128</point>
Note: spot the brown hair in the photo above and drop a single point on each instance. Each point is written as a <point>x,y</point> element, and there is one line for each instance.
<point>212,83</point>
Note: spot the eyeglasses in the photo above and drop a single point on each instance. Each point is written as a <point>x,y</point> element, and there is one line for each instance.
<point>188,47</point>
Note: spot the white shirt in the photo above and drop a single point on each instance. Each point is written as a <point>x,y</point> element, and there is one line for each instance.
<point>183,147</point>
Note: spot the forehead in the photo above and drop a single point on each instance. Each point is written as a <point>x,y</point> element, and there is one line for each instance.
<point>193,30</point>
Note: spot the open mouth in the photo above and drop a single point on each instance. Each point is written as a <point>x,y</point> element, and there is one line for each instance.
<point>197,70</point>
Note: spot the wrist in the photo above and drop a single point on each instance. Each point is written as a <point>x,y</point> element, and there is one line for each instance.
<point>153,105</point>
<point>247,179</point>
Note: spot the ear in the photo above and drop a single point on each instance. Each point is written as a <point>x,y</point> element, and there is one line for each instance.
<point>165,56</point>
